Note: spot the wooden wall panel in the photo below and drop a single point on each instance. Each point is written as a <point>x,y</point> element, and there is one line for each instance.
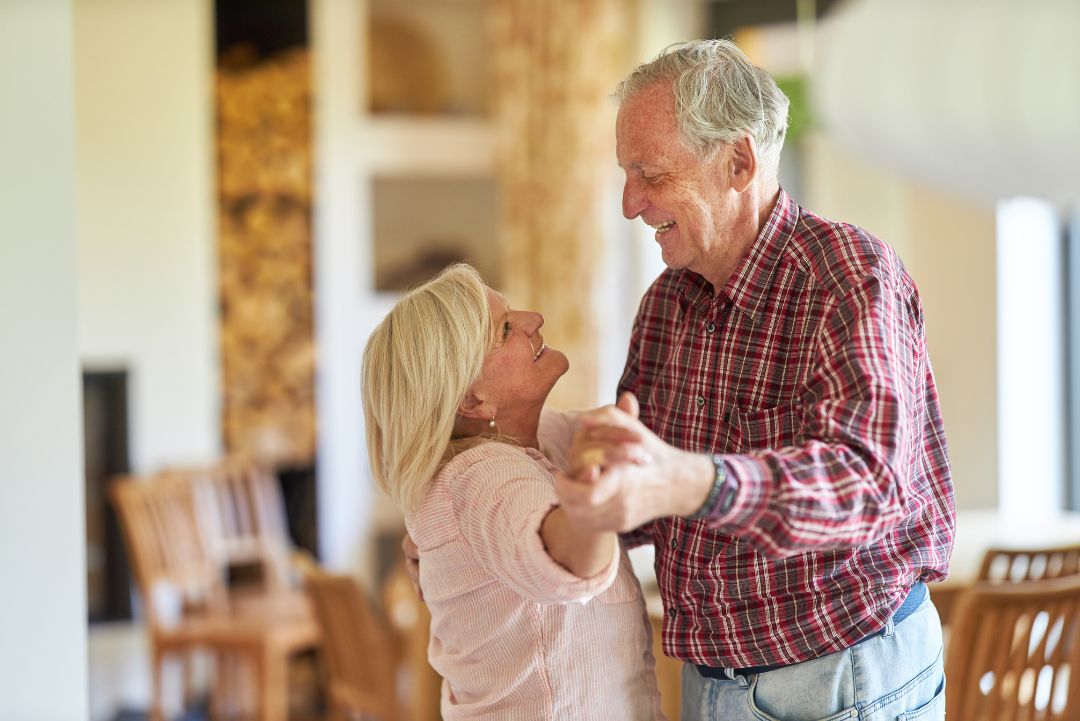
<point>265,259</point>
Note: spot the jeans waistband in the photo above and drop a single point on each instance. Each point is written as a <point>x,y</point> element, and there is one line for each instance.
<point>911,602</point>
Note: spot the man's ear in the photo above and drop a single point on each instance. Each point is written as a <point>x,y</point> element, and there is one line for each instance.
<point>742,163</point>
<point>473,406</point>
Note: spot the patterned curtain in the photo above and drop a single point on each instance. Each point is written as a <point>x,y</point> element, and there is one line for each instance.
<point>555,65</point>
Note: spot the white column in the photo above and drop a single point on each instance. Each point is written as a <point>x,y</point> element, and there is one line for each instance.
<point>344,306</point>
<point>42,538</point>
<point>1031,351</point>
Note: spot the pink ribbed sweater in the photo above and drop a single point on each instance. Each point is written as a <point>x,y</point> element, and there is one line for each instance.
<point>513,634</point>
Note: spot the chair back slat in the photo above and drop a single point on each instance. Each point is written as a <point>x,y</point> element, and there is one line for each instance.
<point>243,514</point>
<point>1013,565</point>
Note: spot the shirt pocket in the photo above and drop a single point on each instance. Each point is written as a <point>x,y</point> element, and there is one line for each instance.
<point>766,428</point>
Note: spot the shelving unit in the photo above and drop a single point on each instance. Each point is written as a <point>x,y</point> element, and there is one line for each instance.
<point>378,144</point>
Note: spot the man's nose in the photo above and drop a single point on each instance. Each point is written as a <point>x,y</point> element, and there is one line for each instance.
<point>633,200</point>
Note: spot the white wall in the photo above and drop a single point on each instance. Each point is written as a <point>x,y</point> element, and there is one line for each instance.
<point>147,254</point>
<point>43,602</point>
<point>147,295</point>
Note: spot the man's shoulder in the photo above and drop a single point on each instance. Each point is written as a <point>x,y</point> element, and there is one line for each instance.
<point>840,256</point>
<point>666,286</point>
<point>662,296</point>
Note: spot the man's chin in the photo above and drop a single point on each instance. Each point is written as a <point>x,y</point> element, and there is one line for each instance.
<point>672,261</point>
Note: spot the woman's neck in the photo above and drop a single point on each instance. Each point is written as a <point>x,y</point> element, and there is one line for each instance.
<point>521,430</point>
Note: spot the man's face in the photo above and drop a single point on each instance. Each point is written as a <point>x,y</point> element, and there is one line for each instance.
<point>689,201</point>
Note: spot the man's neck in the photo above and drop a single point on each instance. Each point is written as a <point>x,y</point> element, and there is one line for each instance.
<point>758,205</point>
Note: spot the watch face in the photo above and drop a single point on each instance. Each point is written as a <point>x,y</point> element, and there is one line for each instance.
<point>728,493</point>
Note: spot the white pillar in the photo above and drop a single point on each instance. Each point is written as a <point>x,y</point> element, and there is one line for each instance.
<point>42,538</point>
<point>1031,352</point>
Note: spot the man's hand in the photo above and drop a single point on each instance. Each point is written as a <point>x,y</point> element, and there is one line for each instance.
<point>622,475</point>
<point>412,563</point>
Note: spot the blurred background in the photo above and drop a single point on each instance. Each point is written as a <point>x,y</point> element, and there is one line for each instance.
<point>208,205</point>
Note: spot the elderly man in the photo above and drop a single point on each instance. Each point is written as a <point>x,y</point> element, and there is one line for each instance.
<point>789,462</point>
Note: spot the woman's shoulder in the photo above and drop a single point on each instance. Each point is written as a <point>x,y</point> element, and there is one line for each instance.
<point>463,476</point>
<point>474,476</point>
<point>484,456</point>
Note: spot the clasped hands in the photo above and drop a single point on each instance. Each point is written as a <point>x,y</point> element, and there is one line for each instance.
<point>621,475</point>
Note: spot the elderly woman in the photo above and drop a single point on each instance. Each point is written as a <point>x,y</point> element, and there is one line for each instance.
<point>531,616</point>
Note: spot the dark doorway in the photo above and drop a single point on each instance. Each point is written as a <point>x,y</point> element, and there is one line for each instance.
<point>105,439</point>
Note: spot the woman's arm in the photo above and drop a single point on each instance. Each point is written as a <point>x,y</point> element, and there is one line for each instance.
<point>580,551</point>
<point>507,514</point>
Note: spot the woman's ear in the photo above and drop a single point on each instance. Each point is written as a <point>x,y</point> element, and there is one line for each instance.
<point>473,406</point>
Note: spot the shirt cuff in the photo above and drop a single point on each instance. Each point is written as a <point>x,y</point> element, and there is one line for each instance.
<point>551,582</point>
<point>751,498</point>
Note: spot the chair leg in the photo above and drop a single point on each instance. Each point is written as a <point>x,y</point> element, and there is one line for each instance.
<point>219,690</point>
<point>273,678</point>
<point>187,678</point>
<point>157,671</point>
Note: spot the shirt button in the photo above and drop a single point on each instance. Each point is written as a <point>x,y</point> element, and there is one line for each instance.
<point>674,543</point>
<point>700,401</point>
<point>711,327</point>
<point>672,612</point>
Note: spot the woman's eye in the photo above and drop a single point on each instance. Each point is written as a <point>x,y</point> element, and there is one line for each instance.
<point>506,329</point>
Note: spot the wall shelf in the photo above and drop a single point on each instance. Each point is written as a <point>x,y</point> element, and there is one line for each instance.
<point>428,146</point>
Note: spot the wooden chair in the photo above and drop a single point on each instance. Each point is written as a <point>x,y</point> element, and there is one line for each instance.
<point>243,517</point>
<point>1015,652</point>
<point>411,620</point>
<point>184,599</point>
<point>358,648</point>
<point>1009,565</point>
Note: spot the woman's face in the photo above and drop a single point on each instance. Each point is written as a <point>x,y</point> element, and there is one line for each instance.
<point>520,370</point>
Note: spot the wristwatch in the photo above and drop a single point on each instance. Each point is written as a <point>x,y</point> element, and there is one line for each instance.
<point>722,494</point>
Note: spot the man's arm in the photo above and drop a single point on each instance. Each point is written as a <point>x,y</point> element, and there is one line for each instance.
<point>844,486</point>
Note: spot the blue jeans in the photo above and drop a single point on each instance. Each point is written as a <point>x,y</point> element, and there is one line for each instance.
<point>898,676</point>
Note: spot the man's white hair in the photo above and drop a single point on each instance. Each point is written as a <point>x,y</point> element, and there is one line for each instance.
<point>720,96</point>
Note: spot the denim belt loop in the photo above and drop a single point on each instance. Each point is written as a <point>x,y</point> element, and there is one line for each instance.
<point>890,629</point>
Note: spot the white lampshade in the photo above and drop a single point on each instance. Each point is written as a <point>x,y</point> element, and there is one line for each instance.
<point>980,97</point>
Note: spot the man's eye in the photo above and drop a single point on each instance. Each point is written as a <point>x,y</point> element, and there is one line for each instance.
<point>506,329</point>
<point>650,179</point>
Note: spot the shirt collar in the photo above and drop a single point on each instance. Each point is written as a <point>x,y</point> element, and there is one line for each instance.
<point>748,286</point>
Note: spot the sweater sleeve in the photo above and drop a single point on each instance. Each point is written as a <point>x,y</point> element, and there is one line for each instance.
<point>500,503</point>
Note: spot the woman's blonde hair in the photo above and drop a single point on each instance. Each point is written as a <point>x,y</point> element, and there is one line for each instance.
<point>418,365</point>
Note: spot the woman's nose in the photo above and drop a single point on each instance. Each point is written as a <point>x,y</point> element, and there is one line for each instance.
<point>533,321</point>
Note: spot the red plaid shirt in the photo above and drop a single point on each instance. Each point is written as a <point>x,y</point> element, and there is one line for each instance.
<point>809,372</point>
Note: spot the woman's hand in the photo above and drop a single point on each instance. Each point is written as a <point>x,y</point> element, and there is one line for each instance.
<point>412,563</point>
<point>623,475</point>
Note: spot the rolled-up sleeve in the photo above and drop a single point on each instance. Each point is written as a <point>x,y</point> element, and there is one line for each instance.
<point>500,503</point>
